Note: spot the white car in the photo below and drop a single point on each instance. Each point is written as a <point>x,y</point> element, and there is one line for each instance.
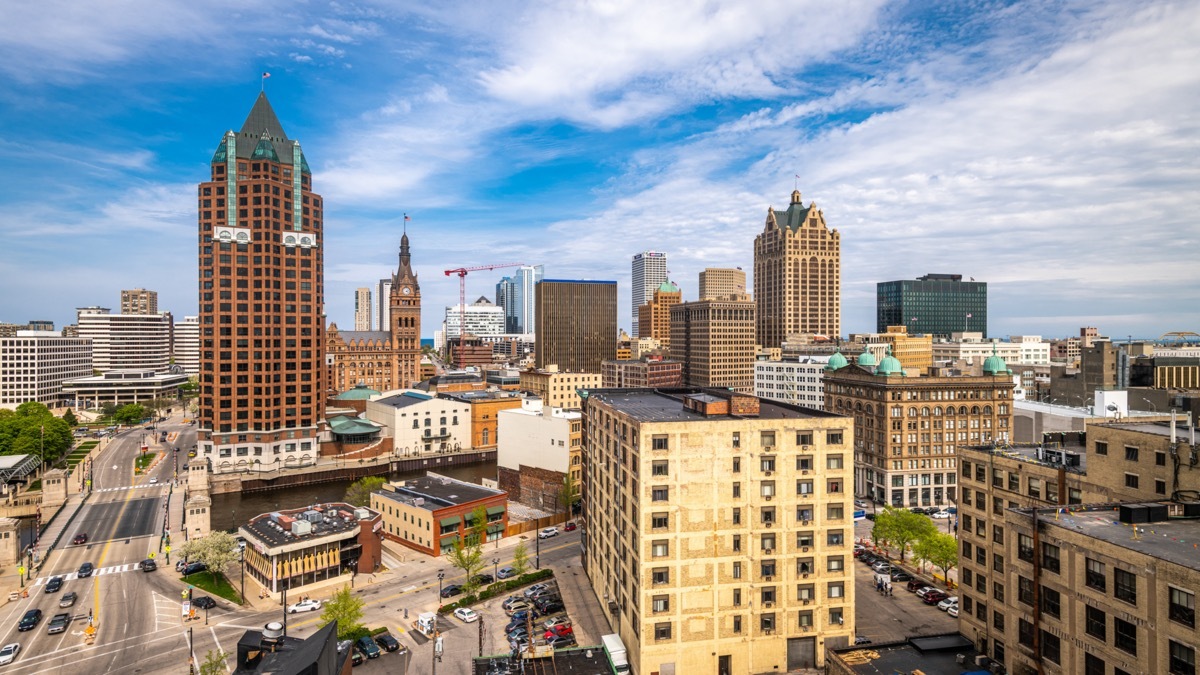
<point>547,532</point>
<point>153,480</point>
<point>948,603</point>
<point>304,606</point>
<point>466,614</point>
<point>953,611</point>
<point>9,653</point>
<point>940,515</point>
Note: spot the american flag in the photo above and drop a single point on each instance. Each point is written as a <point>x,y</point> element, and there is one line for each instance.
<point>266,75</point>
<point>968,316</point>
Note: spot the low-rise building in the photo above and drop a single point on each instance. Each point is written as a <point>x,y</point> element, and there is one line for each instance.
<point>185,345</point>
<point>558,389</point>
<point>126,341</point>
<point>798,381</point>
<point>419,423</point>
<point>34,365</point>
<point>432,513</point>
<point>123,386</point>
<point>971,348</point>
<point>538,446</point>
<point>485,414</point>
<point>291,549</point>
<point>633,373</point>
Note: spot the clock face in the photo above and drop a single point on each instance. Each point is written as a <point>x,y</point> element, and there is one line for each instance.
<point>406,290</point>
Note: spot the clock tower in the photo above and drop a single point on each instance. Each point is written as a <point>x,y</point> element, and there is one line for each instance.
<point>405,303</point>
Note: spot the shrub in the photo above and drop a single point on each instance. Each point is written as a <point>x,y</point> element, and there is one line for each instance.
<point>499,588</point>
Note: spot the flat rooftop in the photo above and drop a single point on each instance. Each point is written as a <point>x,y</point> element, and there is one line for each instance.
<point>666,405</point>
<point>1170,540</point>
<point>936,654</point>
<point>1036,454</point>
<point>274,529</point>
<point>1157,428</point>
<point>436,492</point>
<point>578,661</point>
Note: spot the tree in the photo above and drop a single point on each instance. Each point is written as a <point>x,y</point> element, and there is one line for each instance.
<point>568,494</point>
<point>359,492</point>
<point>69,418</point>
<point>216,550</point>
<point>108,409</point>
<point>213,664</point>
<point>129,414</point>
<point>32,429</point>
<point>467,554</point>
<point>901,528</point>
<point>940,550</point>
<point>520,563</point>
<point>346,610</point>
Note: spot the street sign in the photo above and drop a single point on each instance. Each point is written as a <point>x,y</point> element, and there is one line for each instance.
<point>187,607</point>
<point>21,570</point>
<point>151,555</point>
<point>167,548</point>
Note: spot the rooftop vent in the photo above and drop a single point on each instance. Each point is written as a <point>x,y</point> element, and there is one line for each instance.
<point>301,527</point>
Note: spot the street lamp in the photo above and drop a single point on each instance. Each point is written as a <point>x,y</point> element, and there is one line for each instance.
<point>1153,408</point>
<point>441,575</point>
<point>495,569</point>
<point>537,558</point>
<point>243,560</point>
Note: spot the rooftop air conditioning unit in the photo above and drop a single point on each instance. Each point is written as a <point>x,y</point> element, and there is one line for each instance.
<point>362,514</point>
<point>768,551</point>
<point>981,660</point>
<point>768,578</point>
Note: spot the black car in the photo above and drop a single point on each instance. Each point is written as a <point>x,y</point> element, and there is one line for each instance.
<point>368,647</point>
<point>30,621</point>
<point>451,590</point>
<point>482,579</point>
<point>899,575</point>
<point>85,570</point>
<point>193,568</point>
<point>870,516</point>
<point>148,565</point>
<point>356,657</point>
<point>388,642</point>
<point>551,607</point>
<point>54,585</point>
<point>204,602</point>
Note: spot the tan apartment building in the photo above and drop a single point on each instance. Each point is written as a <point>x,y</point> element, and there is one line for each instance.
<point>558,389</point>
<point>915,352</point>
<point>631,373</point>
<point>797,275</point>
<point>1144,460</point>
<point>714,339</point>
<point>908,428</point>
<point>139,301</point>
<point>720,282</point>
<point>654,317</point>
<point>362,309</point>
<point>432,513</point>
<point>485,412</point>
<point>539,446</point>
<point>576,324</point>
<point>719,529</point>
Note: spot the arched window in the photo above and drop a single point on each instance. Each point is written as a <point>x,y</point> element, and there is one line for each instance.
<point>487,435</point>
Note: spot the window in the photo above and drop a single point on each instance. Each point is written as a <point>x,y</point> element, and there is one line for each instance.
<point>658,521</point>
<point>737,624</point>
<point>998,591</point>
<point>1025,633</point>
<point>1182,606</point>
<point>662,631</point>
<point>767,488</point>
<point>1025,590</point>
<point>1131,454</point>
<point>1025,547</point>
<point>737,597</point>
<point>1124,636</point>
<point>737,464</point>
<point>1051,647</point>
<point>660,549</point>
<point>997,534</point>
<point>1097,623</point>
<point>737,542</point>
<point>737,439</point>
<point>660,575</point>
<point>804,487</point>
<point>834,486</point>
<point>737,490</point>
<point>766,595</point>
<point>968,577</point>
<point>1160,487</point>
<point>835,616</point>
<point>833,462</point>
<point>837,590</point>
<point>766,439</point>
<point>1131,480</point>
<point>766,463</point>
<point>1095,575</point>
<point>1182,659</point>
<point>804,463</point>
<point>1050,557</point>
<point>661,603</point>
<point>658,494</point>
<point>1101,448</point>
<point>1160,459</point>
<point>998,651</point>
<point>1125,586</point>
<point>834,538</point>
<point>804,539</point>
<point>660,443</point>
<point>835,512</point>
<point>997,562</point>
<point>658,468</point>
<point>1093,665</point>
<point>1051,602</point>
<point>1034,486</point>
<point>836,563</point>
<point>767,622</point>
<point>768,542</point>
<point>804,438</point>
<point>833,438</point>
<point>737,570</point>
<point>737,516</point>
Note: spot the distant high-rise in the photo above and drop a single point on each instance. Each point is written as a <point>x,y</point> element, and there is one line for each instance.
<point>139,301</point>
<point>720,282</point>
<point>797,275</point>
<point>649,272</point>
<point>525,281</point>
<point>654,317</point>
<point>506,300</point>
<point>576,324</point>
<point>262,341</point>
<point>715,341</point>
<point>382,293</point>
<point>482,317</point>
<point>126,341</point>
<point>935,304</point>
<point>362,309</point>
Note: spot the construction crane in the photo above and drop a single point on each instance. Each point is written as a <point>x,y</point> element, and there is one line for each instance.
<point>462,298</point>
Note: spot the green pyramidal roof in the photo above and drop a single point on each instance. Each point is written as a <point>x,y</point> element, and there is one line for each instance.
<point>265,150</point>
<point>219,156</point>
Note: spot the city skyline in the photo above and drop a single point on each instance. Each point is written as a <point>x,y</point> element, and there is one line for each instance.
<point>916,131</point>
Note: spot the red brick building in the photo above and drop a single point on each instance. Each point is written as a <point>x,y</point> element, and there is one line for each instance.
<point>432,513</point>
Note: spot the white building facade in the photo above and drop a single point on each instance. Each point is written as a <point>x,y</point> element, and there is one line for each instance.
<point>796,382</point>
<point>649,272</point>
<point>524,289</point>
<point>34,365</point>
<point>126,341</point>
<point>1025,349</point>
<point>422,424</point>
<point>533,435</point>
<point>483,317</point>
<point>185,348</point>
<point>384,294</point>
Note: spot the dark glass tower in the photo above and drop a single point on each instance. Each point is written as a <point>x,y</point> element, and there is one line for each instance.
<point>935,304</point>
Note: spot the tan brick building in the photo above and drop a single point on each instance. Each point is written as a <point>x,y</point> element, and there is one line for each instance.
<point>654,317</point>
<point>797,275</point>
<point>485,410</point>
<point>908,428</point>
<point>432,513</point>
<point>632,373</point>
<point>719,529</point>
<point>714,339</point>
<point>558,389</point>
<point>576,324</point>
<point>915,352</point>
<point>139,301</point>
<point>720,282</point>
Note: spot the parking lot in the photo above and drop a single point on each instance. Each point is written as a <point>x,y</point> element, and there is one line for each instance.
<point>887,618</point>
<point>493,619</point>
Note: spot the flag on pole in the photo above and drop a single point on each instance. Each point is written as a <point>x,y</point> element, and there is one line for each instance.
<point>266,75</point>
<point>968,316</point>
<point>406,218</point>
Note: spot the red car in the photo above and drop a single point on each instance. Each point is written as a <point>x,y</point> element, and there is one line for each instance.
<point>934,597</point>
<point>570,527</point>
<point>559,631</point>
<point>80,538</point>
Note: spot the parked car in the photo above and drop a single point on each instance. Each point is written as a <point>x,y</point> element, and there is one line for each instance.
<point>451,590</point>
<point>58,624</point>
<point>192,568</point>
<point>917,509</point>
<point>916,585</point>
<point>953,611</point>
<point>861,640</point>
<point>356,657</point>
<point>506,572</point>
<point>309,605</point>
<point>570,527</point>
<point>547,532</point>
<point>517,633</point>
<point>368,647</point>
<point>387,642</point>
<point>925,590</point>
<point>68,599</point>
<point>54,585</point>
<point>9,653</point>
<point>30,620</point>
<point>80,538</point>
<point>512,600</point>
<point>561,641</point>
<point>901,575</point>
<point>466,614</point>
<point>882,566</point>
<point>870,516</point>
<point>85,570</point>
<point>947,603</point>
<point>519,616</point>
<point>940,515</point>
<point>148,565</point>
<point>204,602</point>
<point>482,579</point>
<point>951,509</point>
<point>561,630</point>
<point>557,621</point>
<point>934,597</point>
<point>550,607</point>
<point>534,589</point>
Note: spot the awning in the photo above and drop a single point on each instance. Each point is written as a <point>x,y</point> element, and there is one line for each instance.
<point>452,521</point>
<point>449,540</point>
<point>494,510</point>
<point>495,527</point>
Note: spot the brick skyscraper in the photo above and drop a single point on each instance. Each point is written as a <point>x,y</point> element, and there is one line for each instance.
<point>262,349</point>
<point>797,275</point>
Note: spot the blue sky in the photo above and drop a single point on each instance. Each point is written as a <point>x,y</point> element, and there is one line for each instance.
<point>1049,148</point>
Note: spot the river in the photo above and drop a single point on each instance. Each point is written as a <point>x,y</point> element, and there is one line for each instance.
<point>233,508</point>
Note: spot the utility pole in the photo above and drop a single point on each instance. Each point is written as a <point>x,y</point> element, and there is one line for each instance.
<point>434,660</point>
<point>481,636</point>
<point>191,653</point>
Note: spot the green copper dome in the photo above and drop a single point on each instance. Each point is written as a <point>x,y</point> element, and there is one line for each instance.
<point>866,360</point>
<point>668,286</point>
<point>995,365</point>
<point>837,361</point>
<point>890,365</point>
<point>360,392</point>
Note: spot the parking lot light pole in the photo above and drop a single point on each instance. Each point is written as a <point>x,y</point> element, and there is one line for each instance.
<point>495,570</point>
<point>537,558</point>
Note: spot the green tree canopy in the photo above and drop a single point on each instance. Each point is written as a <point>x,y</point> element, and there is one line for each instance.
<point>900,528</point>
<point>359,492</point>
<point>346,609</point>
<point>32,429</point>
<point>938,549</point>
<point>467,554</point>
<point>131,413</point>
<point>69,418</point>
<point>216,550</point>
<point>213,664</point>
<point>520,563</point>
<point>568,494</point>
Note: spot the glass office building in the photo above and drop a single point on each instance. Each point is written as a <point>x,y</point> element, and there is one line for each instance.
<point>935,304</point>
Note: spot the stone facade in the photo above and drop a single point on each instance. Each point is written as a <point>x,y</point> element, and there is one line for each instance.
<point>714,340</point>
<point>719,282</point>
<point>654,317</point>
<point>1142,461</point>
<point>558,389</point>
